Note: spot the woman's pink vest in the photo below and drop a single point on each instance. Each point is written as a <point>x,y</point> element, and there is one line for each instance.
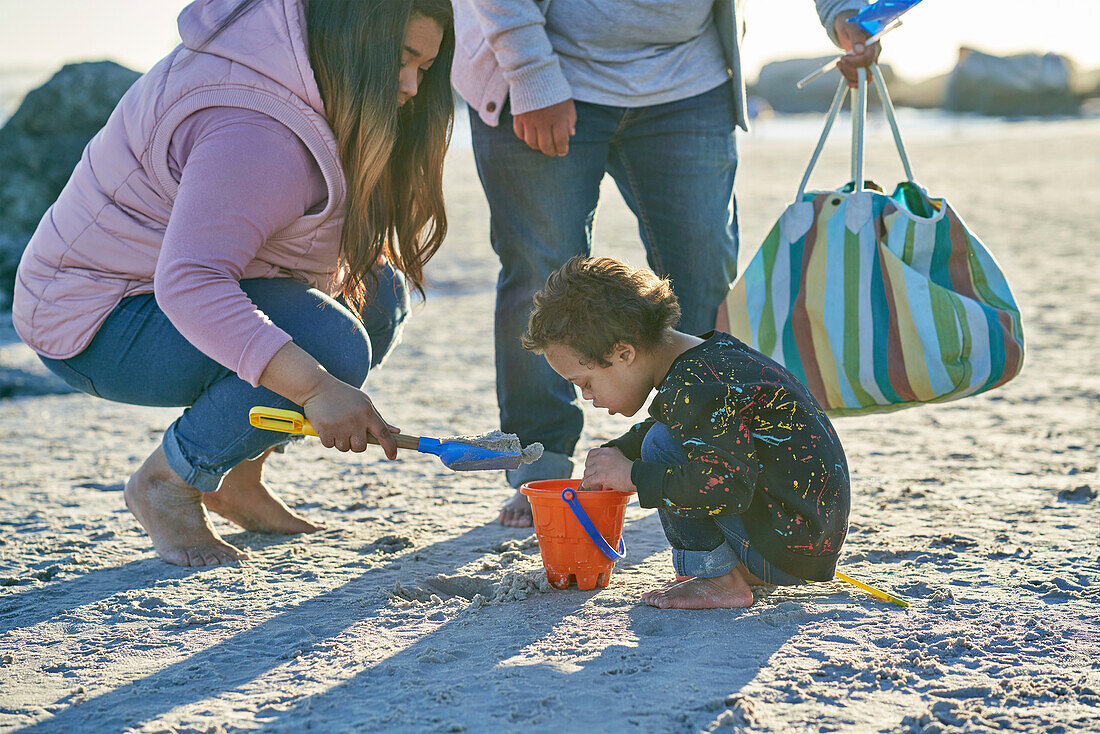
<point>100,241</point>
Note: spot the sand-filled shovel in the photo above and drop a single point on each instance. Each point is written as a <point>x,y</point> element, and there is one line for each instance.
<point>492,451</point>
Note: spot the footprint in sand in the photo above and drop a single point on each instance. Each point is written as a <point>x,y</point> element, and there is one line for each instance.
<point>388,544</point>
<point>115,487</point>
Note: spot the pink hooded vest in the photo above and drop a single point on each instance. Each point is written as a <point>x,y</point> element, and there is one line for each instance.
<point>100,240</point>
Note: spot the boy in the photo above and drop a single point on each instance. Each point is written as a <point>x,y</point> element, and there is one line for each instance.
<point>746,472</point>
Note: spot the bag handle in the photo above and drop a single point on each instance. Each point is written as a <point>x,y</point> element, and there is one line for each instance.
<point>888,107</point>
<point>857,101</point>
<point>859,114</point>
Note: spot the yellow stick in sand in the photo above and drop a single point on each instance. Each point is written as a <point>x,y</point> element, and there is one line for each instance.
<point>872,590</point>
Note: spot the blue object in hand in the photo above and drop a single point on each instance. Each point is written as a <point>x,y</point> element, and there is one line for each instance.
<point>876,16</point>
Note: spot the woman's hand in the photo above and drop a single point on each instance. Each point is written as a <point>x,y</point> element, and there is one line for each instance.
<point>607,468</point>
<point>343,416</point>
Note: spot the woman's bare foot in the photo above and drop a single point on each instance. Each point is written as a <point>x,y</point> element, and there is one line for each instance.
<point>243,499</point>
<point>516,512</point>
<point>172,514</point>
<point>721,592</point>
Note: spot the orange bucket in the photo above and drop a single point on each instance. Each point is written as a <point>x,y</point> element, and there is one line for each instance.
<point>580,533</point>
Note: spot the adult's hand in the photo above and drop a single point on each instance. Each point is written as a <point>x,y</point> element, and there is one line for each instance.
<point>342,415</point>
<point>547,129</point>
<point>851,38</point>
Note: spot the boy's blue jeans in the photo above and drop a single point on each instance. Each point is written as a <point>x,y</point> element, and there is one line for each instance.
<point>674,164</point>
<point>709,546</point>
<point>139,357</point>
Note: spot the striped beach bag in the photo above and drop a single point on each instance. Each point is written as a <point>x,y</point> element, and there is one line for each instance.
<point>877,301</point>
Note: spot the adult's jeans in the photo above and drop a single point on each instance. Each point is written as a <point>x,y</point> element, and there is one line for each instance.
<point>706,546</point>
<point>139,357</point>
<point>674,164</point>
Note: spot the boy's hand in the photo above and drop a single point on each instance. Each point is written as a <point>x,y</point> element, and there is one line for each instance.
<point>607,468</point>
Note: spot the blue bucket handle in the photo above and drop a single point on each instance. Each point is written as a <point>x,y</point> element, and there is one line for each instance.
<point>570,496</point>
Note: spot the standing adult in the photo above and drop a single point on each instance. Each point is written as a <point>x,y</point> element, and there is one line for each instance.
<point>242,232</point>
<point>650,91</point>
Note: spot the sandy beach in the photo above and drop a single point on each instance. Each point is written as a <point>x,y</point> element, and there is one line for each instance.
<point>414,611</point>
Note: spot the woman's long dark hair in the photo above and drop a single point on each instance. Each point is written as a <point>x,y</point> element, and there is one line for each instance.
<point>392,157</point>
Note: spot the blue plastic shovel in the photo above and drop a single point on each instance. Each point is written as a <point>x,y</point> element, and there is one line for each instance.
<point>455,455</point>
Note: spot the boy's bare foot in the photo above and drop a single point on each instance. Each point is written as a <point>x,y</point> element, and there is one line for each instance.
<point>516,512</point>
<point>244,500</point>
<point>171,512</point>
<point>666,586</point>
<point>749,578</point>
<point>721,592</point>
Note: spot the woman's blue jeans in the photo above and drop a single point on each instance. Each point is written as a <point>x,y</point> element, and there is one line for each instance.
<point>708,546</point>
<point>674,164</point>
<point>139,357</point>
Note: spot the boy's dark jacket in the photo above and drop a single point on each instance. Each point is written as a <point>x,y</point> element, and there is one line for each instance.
<point>758,445</point>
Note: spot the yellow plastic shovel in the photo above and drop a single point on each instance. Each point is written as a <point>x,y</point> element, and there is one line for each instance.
<point>455,455</point>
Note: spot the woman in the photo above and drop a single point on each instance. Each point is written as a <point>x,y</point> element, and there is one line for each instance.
<point>241,233</point>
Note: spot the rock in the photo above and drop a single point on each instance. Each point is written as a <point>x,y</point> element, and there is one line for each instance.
<point>16,382</point>
<point>758,108</point>
<point>14,83</point>
<point>926,94</point>
<point>778,80</point>
<point>42,143</point>
<point>11,248</point>
<point>1086,84</point>
<point>777,85</point>
<point>1084,493</point>
<point>21,372</point>
<point>1024,84</point>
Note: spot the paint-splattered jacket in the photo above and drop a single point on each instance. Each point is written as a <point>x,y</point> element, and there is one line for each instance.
<point>758,445</point>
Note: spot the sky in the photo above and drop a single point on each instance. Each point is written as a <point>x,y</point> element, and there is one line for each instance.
<point>44,34</point>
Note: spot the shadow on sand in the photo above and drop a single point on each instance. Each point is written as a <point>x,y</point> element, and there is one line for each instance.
<point>490,668</point>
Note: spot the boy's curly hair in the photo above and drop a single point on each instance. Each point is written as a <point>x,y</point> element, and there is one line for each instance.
<point>590,304</point>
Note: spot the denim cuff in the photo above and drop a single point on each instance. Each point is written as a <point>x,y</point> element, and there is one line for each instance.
<point>200,479</point>
<point>708,564</point>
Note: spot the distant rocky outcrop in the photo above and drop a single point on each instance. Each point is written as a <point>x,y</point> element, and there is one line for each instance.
<point>1086,85</point>
<point>925,94</point>
<point>778,85</point>
<point>14,83</point>
<point>42,143</point>
<point>1010,86</point>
